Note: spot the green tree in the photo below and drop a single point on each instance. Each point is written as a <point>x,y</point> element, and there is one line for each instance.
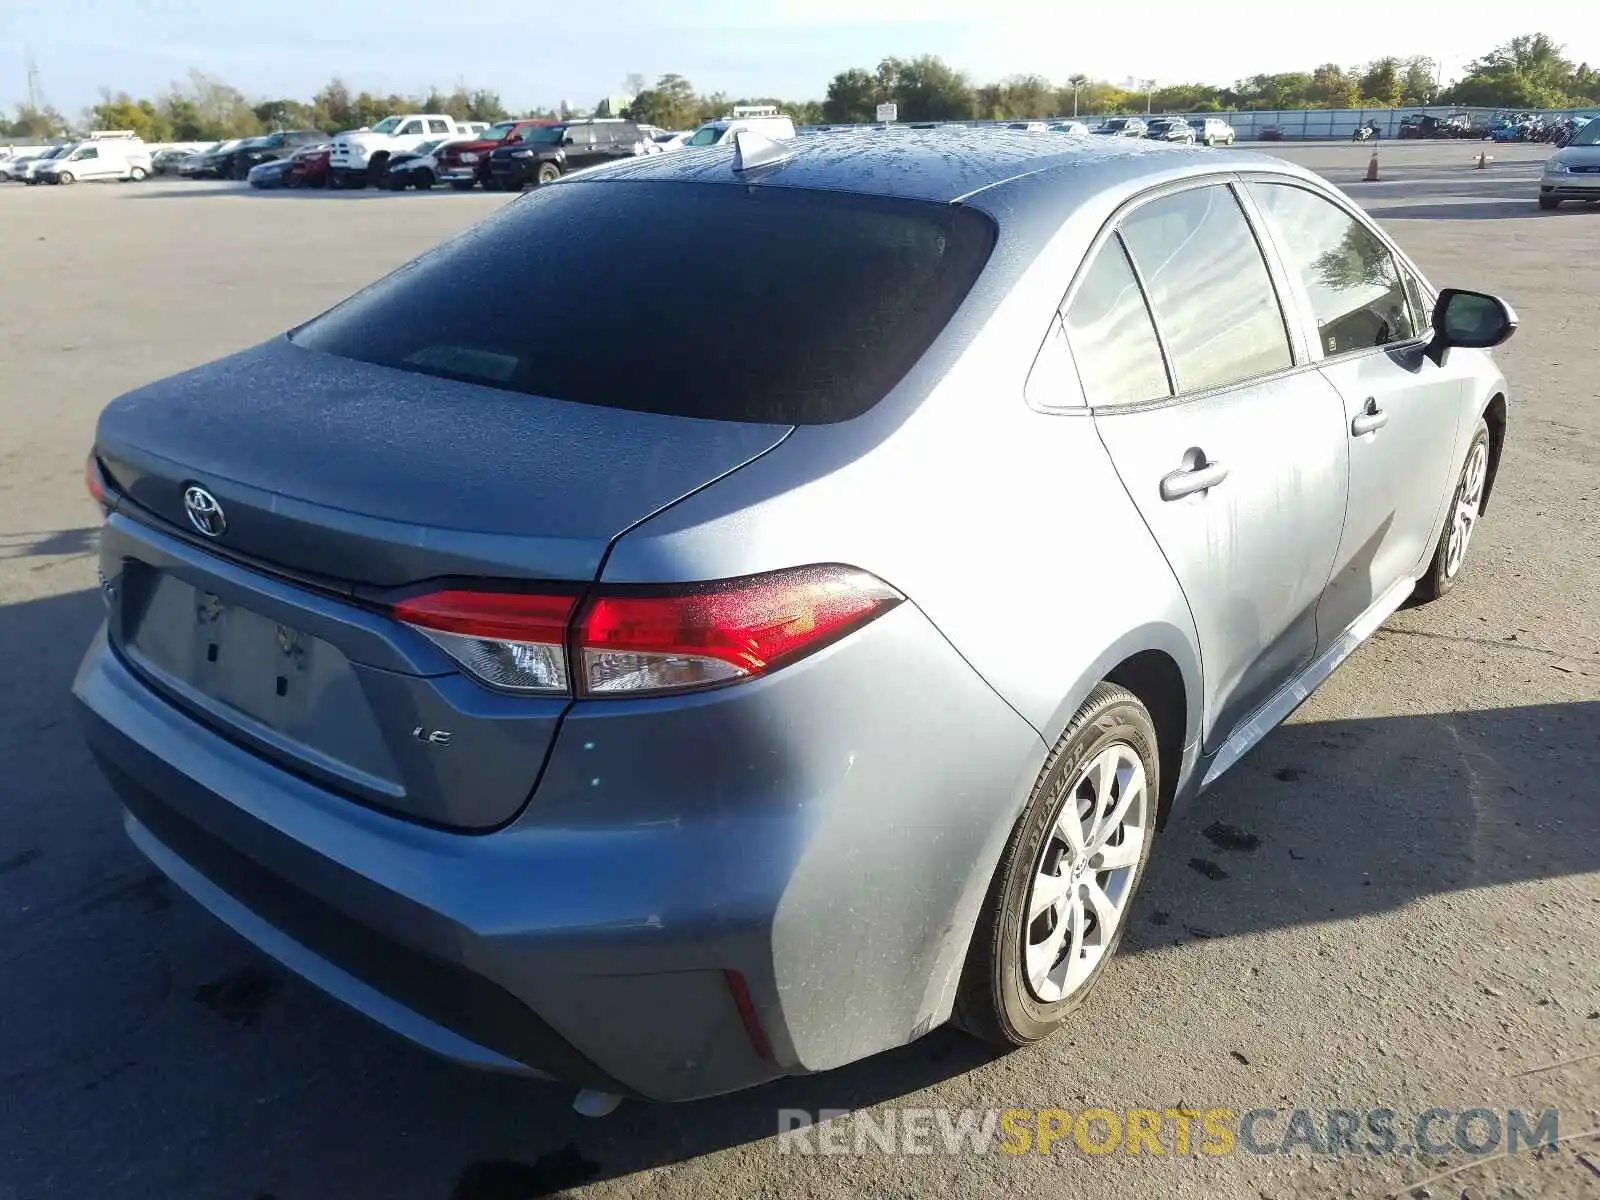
<point>1186,97</point>
<point>122,111</point>
<point>1526,72</point>
<point>35,124</point>
<point>333,108</point>
<point>926,88</point>
<point>1333,87</point>
<point>1288,89</point>
<point>286,114</point>
<point>1026,96</point>
<point>853,97</point>
<point>1418,81</point>
<point>1381,83</point>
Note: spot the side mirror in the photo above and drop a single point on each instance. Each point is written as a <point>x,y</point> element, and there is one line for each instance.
<point>568,140</point>
<point>1472,320</point>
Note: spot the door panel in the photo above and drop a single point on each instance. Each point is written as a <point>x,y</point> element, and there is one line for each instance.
<point>1400,410</point>
<point>1399,473</point>
<point>1253,552</point>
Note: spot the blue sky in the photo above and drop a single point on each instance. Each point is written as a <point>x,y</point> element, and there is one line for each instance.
<point>537,52</point>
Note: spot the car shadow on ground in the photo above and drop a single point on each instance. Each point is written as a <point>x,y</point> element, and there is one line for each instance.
<point>143,1040</point>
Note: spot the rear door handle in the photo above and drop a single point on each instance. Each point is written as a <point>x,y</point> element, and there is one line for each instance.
<point>1189,480</point>
<point>1369,420</point>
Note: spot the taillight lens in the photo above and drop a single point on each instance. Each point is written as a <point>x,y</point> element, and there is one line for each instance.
<point>640,641</point>
<point>509,640</point>
<point>635,643</point>
<point>94,479</point>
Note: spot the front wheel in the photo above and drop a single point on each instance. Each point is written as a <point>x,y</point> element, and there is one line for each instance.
<point>461,185</point>
<point>1060,896</point>
<point>1548,202</point>
<point>422,180</point>
<point>136,175</point>
<point>549,173</point>
<point>1461,522</point>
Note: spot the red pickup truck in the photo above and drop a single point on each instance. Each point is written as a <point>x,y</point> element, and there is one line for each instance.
<point>465,163</point>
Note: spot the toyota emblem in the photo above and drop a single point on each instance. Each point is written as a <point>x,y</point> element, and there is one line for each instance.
<point>204,513</point>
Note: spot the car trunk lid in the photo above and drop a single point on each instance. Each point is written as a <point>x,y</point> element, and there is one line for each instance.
<point>344,486</point>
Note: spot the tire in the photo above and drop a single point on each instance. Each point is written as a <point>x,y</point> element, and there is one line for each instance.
<point>136,175</point>
<point>1548,202</point>
<point>1471,482</point>
<point>548,173</point>
<point>393,183</point>
<point>1002,1000</point>
<point>423,180</point>
<point>65,178</point>
<point>461,185</point>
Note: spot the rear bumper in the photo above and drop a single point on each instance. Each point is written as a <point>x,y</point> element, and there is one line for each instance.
<point>758,830</point>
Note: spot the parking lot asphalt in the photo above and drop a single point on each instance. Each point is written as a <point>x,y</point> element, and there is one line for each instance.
<point>1394,901</point>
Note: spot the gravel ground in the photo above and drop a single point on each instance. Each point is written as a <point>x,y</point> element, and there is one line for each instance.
<point>1394,901</point>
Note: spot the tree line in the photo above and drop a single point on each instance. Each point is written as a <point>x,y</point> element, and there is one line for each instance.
<point>1527,72</point>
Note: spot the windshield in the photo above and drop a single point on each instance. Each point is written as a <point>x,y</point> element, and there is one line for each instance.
<point>1589,135</point>
<point>544,135</point>
<point>837,295</point>
<point>1119,123</point>
<point>706,135</point>
<point>498,131</point>
<point>387,125</point>
<point>428,147</point>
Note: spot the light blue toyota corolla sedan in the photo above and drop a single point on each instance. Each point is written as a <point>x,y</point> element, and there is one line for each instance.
<point>735,611</point>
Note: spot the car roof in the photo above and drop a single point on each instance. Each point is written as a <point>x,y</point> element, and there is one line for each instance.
<point>942,165</point>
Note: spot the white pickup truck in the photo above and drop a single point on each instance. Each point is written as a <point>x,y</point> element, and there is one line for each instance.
<point>360,156</point>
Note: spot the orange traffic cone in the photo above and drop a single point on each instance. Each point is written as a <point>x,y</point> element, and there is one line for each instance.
<point>1372,168</point>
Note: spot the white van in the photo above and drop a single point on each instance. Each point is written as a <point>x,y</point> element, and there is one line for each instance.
<point>106,154</point>
<point>760,118</point>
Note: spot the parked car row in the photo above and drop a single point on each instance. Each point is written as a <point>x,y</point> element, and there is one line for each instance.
<point>105,155</point>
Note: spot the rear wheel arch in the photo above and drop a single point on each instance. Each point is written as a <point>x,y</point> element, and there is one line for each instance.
<point>1160,665</point>
<point>1156,679</point>
<point>1495,415</point>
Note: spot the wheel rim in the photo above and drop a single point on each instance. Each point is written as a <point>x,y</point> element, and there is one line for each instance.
<point>1469,502</point>
<point>1084,875</point>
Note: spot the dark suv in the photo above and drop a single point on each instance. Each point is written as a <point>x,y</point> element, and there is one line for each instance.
<point>237,162</point>
<point>545,153</point>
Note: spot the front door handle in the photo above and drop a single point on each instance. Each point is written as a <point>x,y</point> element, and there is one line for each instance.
<point>1189,480</point>
<point>1369,420</point>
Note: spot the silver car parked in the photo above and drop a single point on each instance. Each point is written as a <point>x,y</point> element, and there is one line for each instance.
<point>669,722</point>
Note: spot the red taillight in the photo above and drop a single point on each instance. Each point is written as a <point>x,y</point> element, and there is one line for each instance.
<point>720,632</point>
<point>645,642</point>
<point>95,480</point>
<point>510,640</point>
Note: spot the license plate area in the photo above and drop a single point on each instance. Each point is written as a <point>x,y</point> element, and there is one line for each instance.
<point>263,668</point>
<point>284,691</point>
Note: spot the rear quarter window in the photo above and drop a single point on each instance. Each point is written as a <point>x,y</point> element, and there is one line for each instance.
<point>765,304</point>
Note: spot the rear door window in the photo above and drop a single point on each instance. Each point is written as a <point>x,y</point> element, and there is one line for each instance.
<point>1209,289</point>
<point>1354,284</point>
<point>437,126</point>
<point>798,307</point>
<point>1112,338</point>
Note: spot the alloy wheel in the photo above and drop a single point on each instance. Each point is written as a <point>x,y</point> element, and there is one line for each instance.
<point>1083,879</point>
<point>1469,501</point>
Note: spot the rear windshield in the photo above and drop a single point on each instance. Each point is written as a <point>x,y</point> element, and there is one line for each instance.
<point>766,304</point>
